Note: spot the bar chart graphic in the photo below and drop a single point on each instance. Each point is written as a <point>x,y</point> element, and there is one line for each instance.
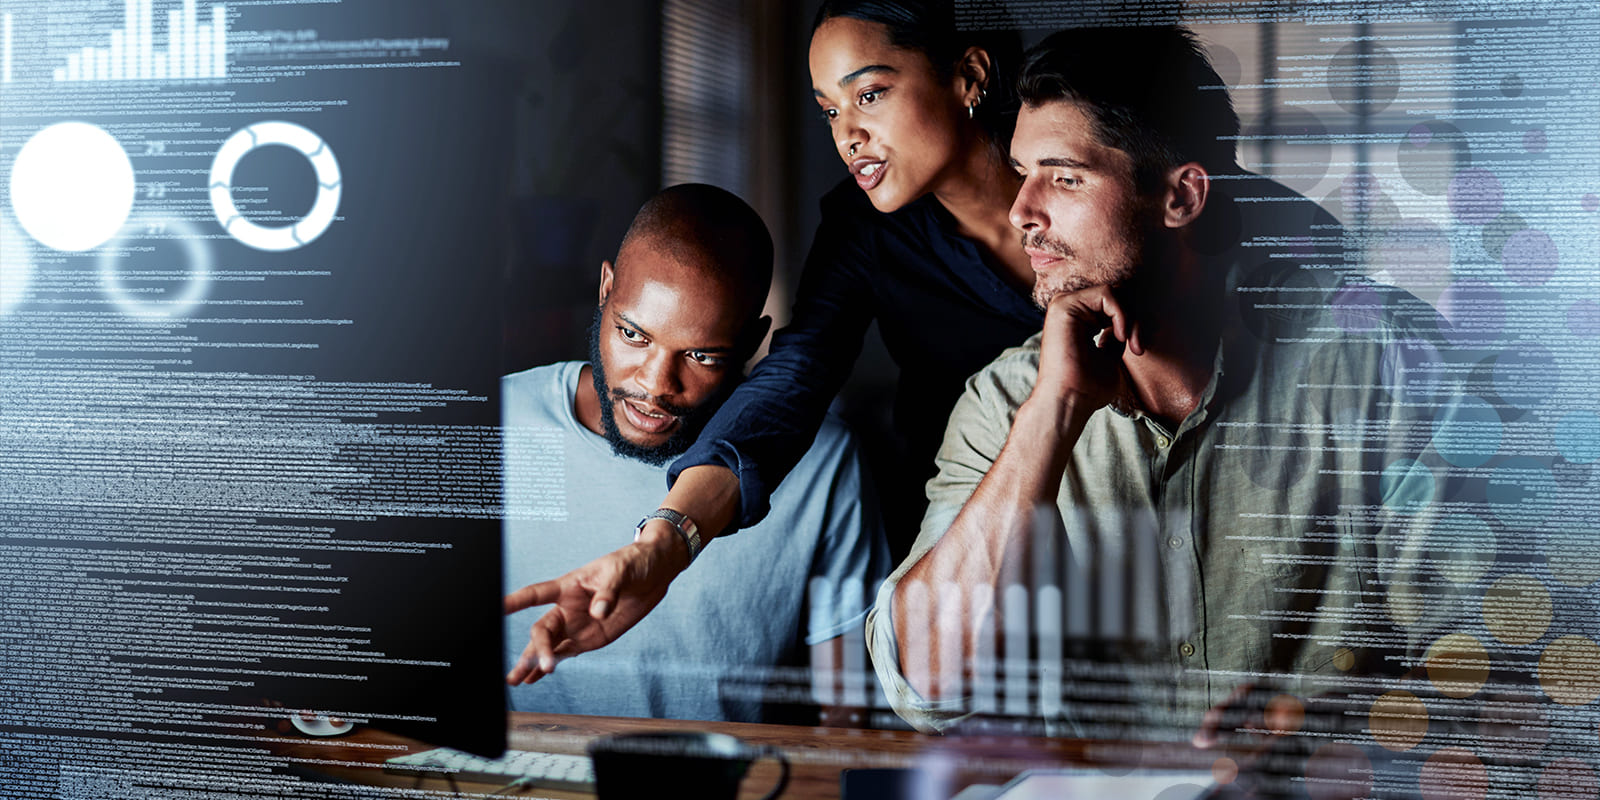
<point>194,50</point>
<point>7,26</point>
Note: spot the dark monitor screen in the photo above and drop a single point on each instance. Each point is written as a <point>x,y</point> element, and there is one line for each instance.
<point>251,447</point>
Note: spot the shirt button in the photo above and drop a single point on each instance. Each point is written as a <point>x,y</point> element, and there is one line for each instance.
<point>1186,649</point>
<point>1174,543</point>
<point>1162,442</point>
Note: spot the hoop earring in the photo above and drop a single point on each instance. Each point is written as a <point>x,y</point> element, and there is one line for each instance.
<point>972,110</point>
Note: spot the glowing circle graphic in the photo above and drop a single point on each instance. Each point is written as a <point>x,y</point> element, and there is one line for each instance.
<point>198,277</point>
<point>72,186</point>
<point>287,237</point>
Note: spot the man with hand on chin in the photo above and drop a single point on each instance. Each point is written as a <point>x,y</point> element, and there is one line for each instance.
<point>1205,471</point>
<point>679,314</point>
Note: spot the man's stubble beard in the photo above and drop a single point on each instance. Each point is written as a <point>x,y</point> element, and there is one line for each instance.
<point>1129,265</point>
<point>690,420</point>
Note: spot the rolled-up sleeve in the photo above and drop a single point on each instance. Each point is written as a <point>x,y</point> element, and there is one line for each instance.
<point>976,432</point>
<point>928,716</point>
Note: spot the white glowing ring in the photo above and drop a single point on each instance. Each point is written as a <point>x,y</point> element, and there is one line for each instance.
<point>287,237</point>
<point>199,273</point>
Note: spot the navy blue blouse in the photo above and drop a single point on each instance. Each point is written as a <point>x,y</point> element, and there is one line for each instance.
<point>942,311</point>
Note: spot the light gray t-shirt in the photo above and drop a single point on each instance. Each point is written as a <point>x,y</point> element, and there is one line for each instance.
<point>751,602</point>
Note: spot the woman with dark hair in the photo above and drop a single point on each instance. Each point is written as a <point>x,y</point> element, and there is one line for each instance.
<point>920,113</point>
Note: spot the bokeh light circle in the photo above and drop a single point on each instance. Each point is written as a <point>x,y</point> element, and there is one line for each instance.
<point>1361,199</point>
<point>1569,671</point>
<point>1364,83</point>
<point>1517,609</point>
<point>1301,151</point>
<point>1476,311</point>
<point>1398,720</point>
<point>1467,433</point>
<point>1568,779</point>
<point>1475,196</point>
<point>1430,154</point>
<point>1583,318</point>
<point>1226,62</point>
<point>1224,771</point>
<point>1458,665</point>
<point>1344,659</point>
<point>1284,714</point>
<point>1406,484</point>
<point>1338,771</point>
<point>1518,490</point>
<point>1524,374</point>
<point>1453,773</point>
<point>1499,231</point>
<point>1530,257</point>
<point>1578,436</point>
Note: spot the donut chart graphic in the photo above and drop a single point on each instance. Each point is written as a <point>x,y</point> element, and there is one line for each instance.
<point>287,237</point>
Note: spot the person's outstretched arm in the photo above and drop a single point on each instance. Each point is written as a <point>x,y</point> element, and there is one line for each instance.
<point>724,480</point>
<point>601,600</point>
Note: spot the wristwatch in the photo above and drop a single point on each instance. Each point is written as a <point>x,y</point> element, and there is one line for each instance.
<point>687,530</point>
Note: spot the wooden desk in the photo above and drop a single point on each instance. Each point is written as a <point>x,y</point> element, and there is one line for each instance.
<point>816,755</point>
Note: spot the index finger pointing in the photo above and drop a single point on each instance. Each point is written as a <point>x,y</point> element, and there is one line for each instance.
<point>536,594</point>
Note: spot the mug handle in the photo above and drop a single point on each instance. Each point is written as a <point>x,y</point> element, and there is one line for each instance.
<point>783,776</point>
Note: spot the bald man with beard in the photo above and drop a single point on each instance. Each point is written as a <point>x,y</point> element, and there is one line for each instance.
<point>587,443</point>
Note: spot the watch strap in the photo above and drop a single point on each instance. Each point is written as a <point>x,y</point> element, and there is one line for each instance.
<point>686,528</point>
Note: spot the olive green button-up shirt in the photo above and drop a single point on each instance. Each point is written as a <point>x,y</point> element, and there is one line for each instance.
<point>1279,533</point>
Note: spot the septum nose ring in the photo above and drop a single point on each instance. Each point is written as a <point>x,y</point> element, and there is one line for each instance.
<point>853,148</point>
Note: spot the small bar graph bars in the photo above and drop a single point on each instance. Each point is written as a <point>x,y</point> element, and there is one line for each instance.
<point>194,50</point>
<point>6,38</point>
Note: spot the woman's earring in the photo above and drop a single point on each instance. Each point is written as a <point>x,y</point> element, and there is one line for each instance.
<point>972,110</point>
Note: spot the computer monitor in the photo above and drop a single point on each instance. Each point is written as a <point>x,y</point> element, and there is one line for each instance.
<point>249,295</point>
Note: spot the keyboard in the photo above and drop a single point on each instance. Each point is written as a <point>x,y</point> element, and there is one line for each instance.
<point>518,767</point>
